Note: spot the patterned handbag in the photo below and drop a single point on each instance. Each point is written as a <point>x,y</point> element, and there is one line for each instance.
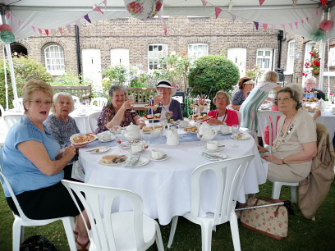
<point>269,220</point>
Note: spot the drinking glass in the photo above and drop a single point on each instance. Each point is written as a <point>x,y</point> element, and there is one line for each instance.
<point>131,97</point>
<point>160,95</point>
<point>235,131</point>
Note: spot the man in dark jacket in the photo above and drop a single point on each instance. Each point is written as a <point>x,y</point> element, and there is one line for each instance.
<point>310,82</point>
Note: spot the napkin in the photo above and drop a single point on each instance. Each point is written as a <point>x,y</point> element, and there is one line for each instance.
<point>133,161</point>
<point>211,156</point>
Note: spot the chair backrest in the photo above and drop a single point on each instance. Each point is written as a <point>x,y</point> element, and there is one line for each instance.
<point>229,177</point>
<point>11,120</point>
<point>264,120</point>
<point>18,104</point>
<point>93,120</point>
<point>239,116</point>
<point>98,203</point>
<point>100,102</point>
<point>2,112</point>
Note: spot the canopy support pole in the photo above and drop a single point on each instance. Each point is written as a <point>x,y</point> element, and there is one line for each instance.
<point>10,61</point>
<point>5,72</point>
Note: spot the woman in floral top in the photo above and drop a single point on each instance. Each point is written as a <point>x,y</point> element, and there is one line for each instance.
<point>118,112</point>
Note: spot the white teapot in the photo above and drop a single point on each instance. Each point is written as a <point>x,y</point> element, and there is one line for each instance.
<point>132,132</point>
<point>172,137</point>
<point>206,132</point>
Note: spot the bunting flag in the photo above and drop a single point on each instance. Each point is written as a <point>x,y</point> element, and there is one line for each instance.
<point>296,24</point>
<point>290,24</point>
<point>317,12</point>
<point>97,9</point>
<point>60,31</point>
<point>8,15</point>
<point>19,23</point>
<point>46,32</point>
<point>33,28</point>
<point>256,24</point>
<point>13,18</point>
<point>233,17</point>
<point>217,11</point>
<point>40,31</point>
<point>204,3</point>
<point>87,18</point>
<point>105,3</point>
<point>307,19</point>
<point>283,25</point>
<point>273,27</point>
<point>302,21</point>
<point>163,24</point>
<point>4,9</point>
<point>261,2</point>
<point>265,26</point>
<point>312,16</point>
<point>323,2</point>
<point>244,21</point>
<point>78,23</point>
<point>68,28</point>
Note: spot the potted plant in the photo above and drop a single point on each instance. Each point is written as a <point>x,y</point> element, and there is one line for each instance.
<point>315,52</point>
<point>312,66</point>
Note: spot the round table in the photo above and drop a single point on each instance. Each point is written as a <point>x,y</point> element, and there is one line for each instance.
<point>165,186</point>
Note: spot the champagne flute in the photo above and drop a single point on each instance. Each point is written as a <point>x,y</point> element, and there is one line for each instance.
<point>131,97</point>
<point>235,131</point>
<point>160,96</point>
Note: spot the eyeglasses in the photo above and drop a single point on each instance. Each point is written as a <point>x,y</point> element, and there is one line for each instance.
<point>282,99</point>
<point>38,102</point>
<point>223,99</point>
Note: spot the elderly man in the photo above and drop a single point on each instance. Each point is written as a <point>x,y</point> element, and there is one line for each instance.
<point>310,82</point>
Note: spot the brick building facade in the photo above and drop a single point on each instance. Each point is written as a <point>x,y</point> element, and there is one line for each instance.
<point>136,36</point>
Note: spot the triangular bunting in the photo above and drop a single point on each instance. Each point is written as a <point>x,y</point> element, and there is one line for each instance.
<point>13,18</point>
<point>317,12</point>
<point>97,9</point>
<point>296,24</point>
<point>19,23</point>
<point>273,27</point>
<point>8,15</point>
<point>323,2</point>
<point>233,17</point>
<point>87,18</point>
<point>105,3</point>
<point>78,23</point>
<point>217,12</point>
<point>302,21</point>
<point>244,21</point>
<point>40,31</point>
<point>204,3</point>
<point>290,24</point>
<point>60,31</point>
<point>256,25</point>
<point>46,32</point>
<point>261,2</point>
<point>68,28</point>
<point>307,19</point>
<point>283,25</point>
<point>312,16</point>
<point>33,28</point>
<point>265,26</point>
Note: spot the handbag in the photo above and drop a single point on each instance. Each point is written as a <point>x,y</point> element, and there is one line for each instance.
<point>267,217</point>
<point>37,243</point>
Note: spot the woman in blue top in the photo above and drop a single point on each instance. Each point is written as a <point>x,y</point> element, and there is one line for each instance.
<point>33,163</point>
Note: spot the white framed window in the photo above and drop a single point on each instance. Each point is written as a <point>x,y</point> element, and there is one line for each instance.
<point>264,59</point>
<point>239,57</point>
<point>155,52</point>
<point>198,50</point>
<point>331,56</point>
<point>119,56</point>
<point>54,59</point>
<point>290,57</point>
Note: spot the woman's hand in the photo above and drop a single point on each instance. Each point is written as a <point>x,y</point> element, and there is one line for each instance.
<point>158,99</point>
<point>80,146</point>
<point>213,121</point>
<point>127,105</point>
<point>316,114</point>
<point>273,159</point>
<point>69,151</point>
<point>261,149</point>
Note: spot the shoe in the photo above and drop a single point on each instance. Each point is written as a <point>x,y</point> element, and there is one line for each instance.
<point>83,247</point>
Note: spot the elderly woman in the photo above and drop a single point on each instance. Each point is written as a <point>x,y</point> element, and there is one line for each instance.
<point>295,146</point>
<point>258,95</point>
<point>222,115</point>
<point>62,126</point>
<point>33,163</point>
<point>165,91</point>
<point>245,85</point>
<point>118,112</point>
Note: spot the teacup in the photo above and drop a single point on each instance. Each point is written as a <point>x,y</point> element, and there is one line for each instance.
<point>117,129</point>
<point>106,136</point>
<point>137,147</point>
<point>157,153</point>
<point>225,129</point>
<point>184,123</point>
<point>212,145</point>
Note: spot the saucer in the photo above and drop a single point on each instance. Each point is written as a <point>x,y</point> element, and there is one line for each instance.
<point>165,157</point>
<point>244,137</point>
<point>102,149</point>
<point>132,152</point>
<point>104,141</point>
<point>216,150</point>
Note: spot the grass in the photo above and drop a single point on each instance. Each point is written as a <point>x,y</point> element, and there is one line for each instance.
<point>303,234</point>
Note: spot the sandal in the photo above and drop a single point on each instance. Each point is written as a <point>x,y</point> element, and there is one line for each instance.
<point>82,247</point>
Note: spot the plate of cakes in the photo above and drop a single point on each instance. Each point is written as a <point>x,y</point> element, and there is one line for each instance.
<point>151,105</point>
<point>80,138</point>
<point>113,159</point>
<point>149,129</point>
<point>199,117</point>
<point>156,116</point>
<point>191,129</point>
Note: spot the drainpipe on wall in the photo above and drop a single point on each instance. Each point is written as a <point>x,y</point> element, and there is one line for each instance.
<point>78,51</point>
<point>280,37</point>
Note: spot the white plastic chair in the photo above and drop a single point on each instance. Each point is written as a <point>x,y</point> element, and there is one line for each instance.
<point>239,116</point>
<point>276,188</point>
<point>100,102</point>
<point>18,104</point>
<point>93,120</point>
<point>120,230</point>
<point>229,177</point>
<point>11,120</point>
<point>21,221</point>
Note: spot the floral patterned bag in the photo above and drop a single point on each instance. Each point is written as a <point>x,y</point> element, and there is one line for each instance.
<point>270,220</point>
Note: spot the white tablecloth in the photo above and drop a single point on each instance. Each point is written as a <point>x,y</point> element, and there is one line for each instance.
<point>165,186</point>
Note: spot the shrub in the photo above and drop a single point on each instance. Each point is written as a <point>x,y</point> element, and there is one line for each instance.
<point>116,74</point>
<point>213,70</point>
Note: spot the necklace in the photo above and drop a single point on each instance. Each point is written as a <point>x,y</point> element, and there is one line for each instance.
<point>225,115</point>
<point>282,136</point>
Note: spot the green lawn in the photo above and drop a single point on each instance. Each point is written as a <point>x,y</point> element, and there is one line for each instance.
<point>303,234</point>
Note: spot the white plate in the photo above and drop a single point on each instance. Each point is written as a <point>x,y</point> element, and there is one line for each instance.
<point>112,138</point>
<point>114,164</point>
<point>244,137</point>
<point>82,134</point>
<point>141,162</point>
<point>217,150</point>
<point>222,155</point>
<point>131,151</point>
<point>102,149</point>
<point>165,157</point>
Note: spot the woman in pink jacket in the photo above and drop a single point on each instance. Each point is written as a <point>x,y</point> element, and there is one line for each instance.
<point>222,115</point>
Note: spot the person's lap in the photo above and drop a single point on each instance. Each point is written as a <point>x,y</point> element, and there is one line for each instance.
<point>288,173</point>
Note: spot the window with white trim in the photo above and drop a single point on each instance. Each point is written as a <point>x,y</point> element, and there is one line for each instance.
<point>54,59</point>
<point>290,57</point>
<point>197,50</point>
<point>331,56</point>
<point>264,59</point>
<point>155,52</point>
